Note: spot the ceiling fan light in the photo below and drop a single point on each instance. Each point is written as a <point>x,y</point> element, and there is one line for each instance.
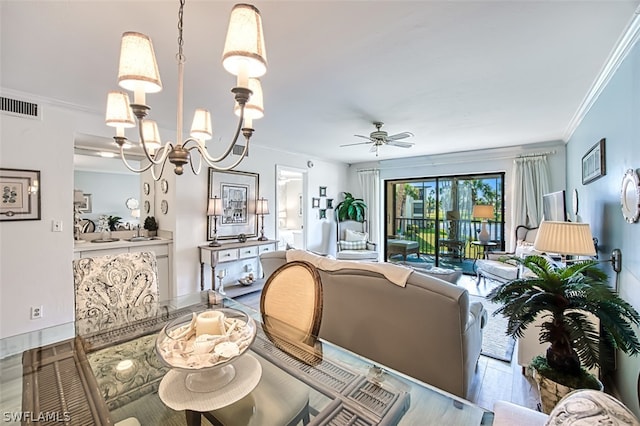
<point>254,109</point>
<point>138,68</point>
<point>244,45</point>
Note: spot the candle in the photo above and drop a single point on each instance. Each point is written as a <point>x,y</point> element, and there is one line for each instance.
<point>210,322</point>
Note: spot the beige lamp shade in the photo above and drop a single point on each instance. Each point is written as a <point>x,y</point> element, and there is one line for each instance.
<point>254,109</point>
<point>201,125</point>
<point>483,211</point>
<point>565,238</point>
<point>138,68</point>
<point>262,206</point>
<point>78,196</point>
<point>119,112</point>
<point>135,213</point>
<point>244,49</point>
<point>214,208</point>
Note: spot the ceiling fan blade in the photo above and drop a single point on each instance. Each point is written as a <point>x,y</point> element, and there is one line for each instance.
<point>363,137</point>
<point>401,144</point>
<point>402,135</point>
<point>357,143</point>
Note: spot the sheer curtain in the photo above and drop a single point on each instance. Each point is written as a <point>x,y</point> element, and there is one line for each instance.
<point>530,183</point>
<point>370,184</point>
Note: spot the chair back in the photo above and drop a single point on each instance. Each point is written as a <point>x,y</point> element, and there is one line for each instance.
<point>112,291</point>
<point>351,225</point>
<point>293,295</point>
<point>524,233</point>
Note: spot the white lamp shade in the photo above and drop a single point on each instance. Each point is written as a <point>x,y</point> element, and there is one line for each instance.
<point>151,135</point>
<point>138,68</point>
<point>244,45</point>
<point>135,213</point>
<point>565,238</point>
<point>201,125</point>
<point>119,112</point>
<point>214,208</point>
<point>254,109</point>
<point>483,211</point>
<point>78,196</point>
<point>262,206</point>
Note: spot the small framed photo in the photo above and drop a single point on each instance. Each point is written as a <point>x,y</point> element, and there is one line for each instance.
<point>593,163</point>
<point>323,191</point>
<point>323,213</point>
<point>329,203</point>
<point>315,203</point>
<point>86,206</point>
<point>20,194</point>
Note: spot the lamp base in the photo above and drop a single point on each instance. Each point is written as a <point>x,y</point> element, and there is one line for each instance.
<point>483,236</point>
<point>262,238</point>
<point>214,243</point>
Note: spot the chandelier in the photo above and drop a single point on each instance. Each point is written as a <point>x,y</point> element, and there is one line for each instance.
<point>244,56</point>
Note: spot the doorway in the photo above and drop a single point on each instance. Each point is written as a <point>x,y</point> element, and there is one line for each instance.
<point>290,195</point>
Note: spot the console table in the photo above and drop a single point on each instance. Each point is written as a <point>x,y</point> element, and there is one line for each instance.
<point>239,259</point>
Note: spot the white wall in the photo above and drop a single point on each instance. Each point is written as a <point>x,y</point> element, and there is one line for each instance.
<point>35,265</point>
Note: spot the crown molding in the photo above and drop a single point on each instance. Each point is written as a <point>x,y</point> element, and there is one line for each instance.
<point>620,52</point>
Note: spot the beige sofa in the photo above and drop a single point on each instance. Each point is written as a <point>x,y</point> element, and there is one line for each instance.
<point>426,329</point>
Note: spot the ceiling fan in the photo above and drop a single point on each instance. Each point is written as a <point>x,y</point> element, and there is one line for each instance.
<point>379,138</point>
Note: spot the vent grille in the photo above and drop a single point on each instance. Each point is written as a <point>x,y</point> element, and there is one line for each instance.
<point>20,108</point>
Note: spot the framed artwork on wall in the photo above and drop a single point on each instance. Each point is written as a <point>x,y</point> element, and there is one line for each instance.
<point>593,163</point>
<point>238,191</point>
<point>323,191</point>
<point>323,213</point>
<point>20,194</point>
<point>315,203</point>
<point>86,206</point>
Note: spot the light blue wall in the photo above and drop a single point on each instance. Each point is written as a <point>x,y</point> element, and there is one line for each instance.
<point>614,116</point>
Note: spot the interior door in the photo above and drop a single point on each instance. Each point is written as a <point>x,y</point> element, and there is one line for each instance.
<point>290,195</point>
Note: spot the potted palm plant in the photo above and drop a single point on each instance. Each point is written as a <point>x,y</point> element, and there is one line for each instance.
<point>563,295</point>
<point>351,208</point>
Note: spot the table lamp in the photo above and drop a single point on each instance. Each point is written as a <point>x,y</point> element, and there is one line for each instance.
<point>214,208</point>
<point>483,212</point>
<point>565,238</point>
<point>262,208</point>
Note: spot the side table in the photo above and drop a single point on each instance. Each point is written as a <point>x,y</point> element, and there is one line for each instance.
<point>486,247</point>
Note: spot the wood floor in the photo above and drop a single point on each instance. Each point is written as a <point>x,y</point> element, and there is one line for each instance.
<point>494,380</point>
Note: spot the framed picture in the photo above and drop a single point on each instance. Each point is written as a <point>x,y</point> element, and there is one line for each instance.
<point>239,192</point>
<point>329,203</point>
<point>593,163</point>
<point>323,213</point>
<point>20,194</point>
<point>85,207</point>
<point>315,203</point>
<point>323,191</point>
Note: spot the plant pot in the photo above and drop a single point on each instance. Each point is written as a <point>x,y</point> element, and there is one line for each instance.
<point>551,392</point>
<point>152,233</point>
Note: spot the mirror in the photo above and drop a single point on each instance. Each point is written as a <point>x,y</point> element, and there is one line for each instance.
<point>630,196</point>
<point>109,187</point>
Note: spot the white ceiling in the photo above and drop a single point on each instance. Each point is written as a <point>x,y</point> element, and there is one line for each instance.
<point>460,75</point>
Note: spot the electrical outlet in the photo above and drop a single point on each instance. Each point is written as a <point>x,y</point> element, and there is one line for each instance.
<point>56,226</point>
<point>36,312</point>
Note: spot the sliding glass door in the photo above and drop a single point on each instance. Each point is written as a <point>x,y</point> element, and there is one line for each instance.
<point>437,213</point>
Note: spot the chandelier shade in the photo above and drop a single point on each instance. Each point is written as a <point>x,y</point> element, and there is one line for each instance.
<point>244,49</point>
<point>151,135</point>
<point>254,109</point>
<point>119,113</point>
<point>138,69</point>
<point>201,125</point>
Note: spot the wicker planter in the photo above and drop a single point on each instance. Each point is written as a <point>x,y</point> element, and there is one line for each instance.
<point>551,392</point>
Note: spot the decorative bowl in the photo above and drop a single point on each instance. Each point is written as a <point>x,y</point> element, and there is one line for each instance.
<point>205,340</point>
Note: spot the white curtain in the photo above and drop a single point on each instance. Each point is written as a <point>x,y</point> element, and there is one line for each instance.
<point>530,183</point>
<point>370,184</point>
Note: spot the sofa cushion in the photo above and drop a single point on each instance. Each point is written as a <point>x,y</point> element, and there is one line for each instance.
<point>353,245</point>
<point>497,268</point>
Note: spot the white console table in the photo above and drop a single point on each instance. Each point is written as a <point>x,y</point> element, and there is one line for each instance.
<point>239,259</point>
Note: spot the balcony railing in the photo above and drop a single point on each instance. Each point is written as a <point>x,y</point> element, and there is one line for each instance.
<point>424,231</point>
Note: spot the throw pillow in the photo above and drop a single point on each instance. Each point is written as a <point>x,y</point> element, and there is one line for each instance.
<point>353,245</point>
<point>524,249</point>
<point>355,235</point>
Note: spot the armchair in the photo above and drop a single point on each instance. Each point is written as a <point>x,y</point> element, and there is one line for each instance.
<point>353,242</point>
<point>495,268</point>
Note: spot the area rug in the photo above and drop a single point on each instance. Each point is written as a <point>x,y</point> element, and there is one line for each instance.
<point>495,343</point>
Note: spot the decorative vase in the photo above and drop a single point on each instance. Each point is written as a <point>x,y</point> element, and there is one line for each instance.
<point>105,235</point>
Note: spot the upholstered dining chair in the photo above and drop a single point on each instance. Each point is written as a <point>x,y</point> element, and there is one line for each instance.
<point>113,290</point>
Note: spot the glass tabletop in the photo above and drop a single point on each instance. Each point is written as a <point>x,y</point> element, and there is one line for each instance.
<point>296,380</point>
